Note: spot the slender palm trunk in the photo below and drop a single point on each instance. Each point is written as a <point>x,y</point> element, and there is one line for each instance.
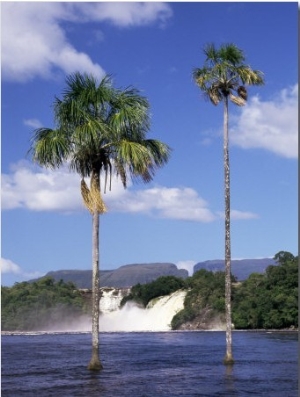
<point>228,357</point>
<point>95,363</point>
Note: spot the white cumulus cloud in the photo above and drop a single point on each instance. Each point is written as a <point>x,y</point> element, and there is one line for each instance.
<point>46,190</point>
<point>35,44</point>
<point>270,125</point>
<point>42,190</point>
<point>172,203</point>
<point>8,266</point>
<point>37,189</point>
<point>126,14</point>
<point>34,123</point>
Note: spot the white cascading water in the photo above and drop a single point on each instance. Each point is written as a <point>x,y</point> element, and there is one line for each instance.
<point>111,298</point>
<point>156,317</point>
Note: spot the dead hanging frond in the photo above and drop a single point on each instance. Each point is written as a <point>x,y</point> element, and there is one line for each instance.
<point>108,172</point>
<point>97,197</point>
<point>214,94</point>
<point>86,196</point>
<point>242,92</point>
<point>92,197</point>
<point>237,100</point>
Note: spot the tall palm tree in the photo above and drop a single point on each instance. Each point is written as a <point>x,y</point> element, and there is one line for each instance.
<point>99,130</point>
<point>224,77</point>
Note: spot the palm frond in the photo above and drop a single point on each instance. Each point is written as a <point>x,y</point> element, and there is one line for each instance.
<point>250,76</point>
<point>135,159</point>
<point>129,115</point>
<point>133,153</point>
<point>211,53</point>
<point>49,147</point>
<point>121,171</point>
<point>107,170</point>
<point>231,54</point>
<point>160,152</point>
<point>202,76</point>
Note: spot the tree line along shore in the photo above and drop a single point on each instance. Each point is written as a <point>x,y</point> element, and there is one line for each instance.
<point>267,301</point>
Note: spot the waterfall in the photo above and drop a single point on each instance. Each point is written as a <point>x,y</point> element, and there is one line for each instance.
<point>156,317</point>
<point>111,298</point>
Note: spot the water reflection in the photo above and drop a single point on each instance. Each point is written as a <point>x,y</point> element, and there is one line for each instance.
<point>230,386</point>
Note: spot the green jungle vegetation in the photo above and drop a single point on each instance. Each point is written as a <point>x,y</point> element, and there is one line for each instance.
<point>269,300</point>
<point>206,292</point>
<point>263,301</point>
<point>143,293</point>
<point>28,306</point>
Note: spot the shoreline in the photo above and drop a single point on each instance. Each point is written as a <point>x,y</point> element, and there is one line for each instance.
<point>43,332</point>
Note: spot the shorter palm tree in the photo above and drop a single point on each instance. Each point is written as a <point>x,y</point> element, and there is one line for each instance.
<point>224,77</point>
<point>99,130</point>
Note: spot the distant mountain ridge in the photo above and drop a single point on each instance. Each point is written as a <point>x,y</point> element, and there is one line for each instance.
<point>128,275</point>
<point>123,277</point>
<point>240,268</point>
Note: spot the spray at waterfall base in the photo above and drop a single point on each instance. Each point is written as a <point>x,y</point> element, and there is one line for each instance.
<point>157,316</point>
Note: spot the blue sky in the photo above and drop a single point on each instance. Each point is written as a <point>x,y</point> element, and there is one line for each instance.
<point>154,47</point>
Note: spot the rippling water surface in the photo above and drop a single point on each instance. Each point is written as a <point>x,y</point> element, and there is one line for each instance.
<point>150,364</point>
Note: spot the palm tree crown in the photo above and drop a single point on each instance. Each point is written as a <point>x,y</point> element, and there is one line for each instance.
<point>100,129</point>
<point>225,75</point>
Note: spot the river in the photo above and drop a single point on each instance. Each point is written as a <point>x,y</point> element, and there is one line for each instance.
<point>150,364</point>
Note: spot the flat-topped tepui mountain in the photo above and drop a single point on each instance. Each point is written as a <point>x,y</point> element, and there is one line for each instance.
<point>240,268</point>
<point>129,275</point>
<point>124,276</point>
